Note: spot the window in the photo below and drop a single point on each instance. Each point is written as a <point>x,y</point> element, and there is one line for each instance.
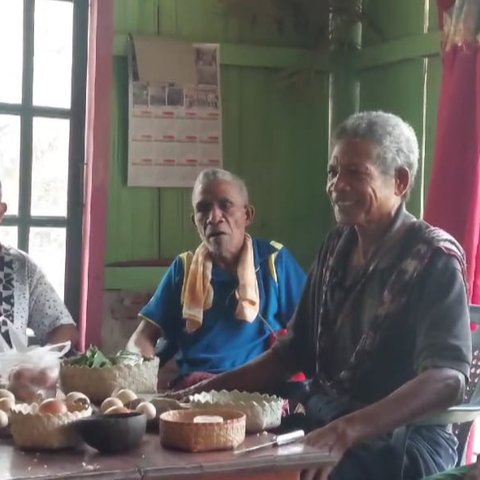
<point>43,53</point>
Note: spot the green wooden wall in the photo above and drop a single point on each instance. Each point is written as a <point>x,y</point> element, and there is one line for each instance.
<point>408,86</point>
<point>275,136</point>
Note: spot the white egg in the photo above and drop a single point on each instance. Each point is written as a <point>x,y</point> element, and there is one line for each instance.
<point>6,404</point>
<point>74,396</point>
<point>4,393</point>
<point>109,403</point>
<point>3,419</point>
<point>125,395</point>
<point>147,409</point>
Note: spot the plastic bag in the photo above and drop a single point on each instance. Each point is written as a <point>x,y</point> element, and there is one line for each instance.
<point>30,373</point>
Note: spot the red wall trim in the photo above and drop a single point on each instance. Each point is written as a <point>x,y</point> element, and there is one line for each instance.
<point>98,122</point>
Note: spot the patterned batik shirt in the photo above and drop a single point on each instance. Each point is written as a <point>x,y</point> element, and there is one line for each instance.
<point>27,298</point>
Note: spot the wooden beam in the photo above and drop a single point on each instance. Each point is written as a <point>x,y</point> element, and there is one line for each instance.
<point>254,56</point>
<point>418,46</point>
<point>241,55</point>
<point>98,127</point>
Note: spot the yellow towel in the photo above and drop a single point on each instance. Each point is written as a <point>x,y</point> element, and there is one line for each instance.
<point>198,293</point>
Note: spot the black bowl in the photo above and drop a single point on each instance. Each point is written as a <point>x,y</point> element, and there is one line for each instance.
<point>113,433</point>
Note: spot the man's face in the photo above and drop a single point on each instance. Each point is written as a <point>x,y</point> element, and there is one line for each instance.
<point>359,192</point>
<point>221,215</point>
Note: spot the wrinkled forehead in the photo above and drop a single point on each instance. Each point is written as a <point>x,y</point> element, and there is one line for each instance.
<point>354,151</point>
<point>216,190</point>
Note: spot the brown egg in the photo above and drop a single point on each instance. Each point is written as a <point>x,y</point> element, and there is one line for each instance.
<point>52,406</point>
<point>116,410</point>
<point>46,377</point>
<point>21,374</point>
<point>24,391</point>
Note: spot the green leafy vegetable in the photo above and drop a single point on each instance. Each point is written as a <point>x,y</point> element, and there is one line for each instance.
<point>93,357</point>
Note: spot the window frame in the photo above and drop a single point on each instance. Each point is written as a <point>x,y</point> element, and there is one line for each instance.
<point>26,111</point>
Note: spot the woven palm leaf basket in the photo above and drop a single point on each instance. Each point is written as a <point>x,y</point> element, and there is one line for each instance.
<point>32,430</point>
<point>202,430</point>
<point>98,383</point>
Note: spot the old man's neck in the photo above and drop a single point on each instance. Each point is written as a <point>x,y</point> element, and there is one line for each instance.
<point>227,262</point>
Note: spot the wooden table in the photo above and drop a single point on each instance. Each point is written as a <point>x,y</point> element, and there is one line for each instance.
<point>150,461</point>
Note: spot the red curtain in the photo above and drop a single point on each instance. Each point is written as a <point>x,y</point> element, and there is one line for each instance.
<point>453,201</point>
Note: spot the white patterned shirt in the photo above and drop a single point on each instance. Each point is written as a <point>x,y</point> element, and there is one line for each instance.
<point>27,298</point>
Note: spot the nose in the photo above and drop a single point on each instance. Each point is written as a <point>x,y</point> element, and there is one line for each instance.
<point>215,215</point>
<point>337,184</point>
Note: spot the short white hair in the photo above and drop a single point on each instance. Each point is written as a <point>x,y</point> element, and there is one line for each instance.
<point>212,174</point>
<point>396,140</point>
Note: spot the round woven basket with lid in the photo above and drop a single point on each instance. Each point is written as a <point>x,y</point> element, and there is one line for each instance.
<point>99,383</point>
<point>179,429</point>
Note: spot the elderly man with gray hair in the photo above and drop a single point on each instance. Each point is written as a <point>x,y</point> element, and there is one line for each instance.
<point>382,328</point>
<point>222,305</point>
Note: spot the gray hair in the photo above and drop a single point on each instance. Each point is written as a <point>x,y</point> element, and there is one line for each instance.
<point>395,138</point>
<point>212,174</point>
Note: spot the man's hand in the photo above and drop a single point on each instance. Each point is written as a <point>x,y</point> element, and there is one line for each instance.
<point>144,339</point>
<point>474,473</point>
<point>334,439</point>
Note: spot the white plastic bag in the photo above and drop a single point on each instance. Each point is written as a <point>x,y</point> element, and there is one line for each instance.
<point>29,372</point>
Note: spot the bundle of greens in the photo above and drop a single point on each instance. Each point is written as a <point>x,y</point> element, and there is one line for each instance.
<point>94,358</point>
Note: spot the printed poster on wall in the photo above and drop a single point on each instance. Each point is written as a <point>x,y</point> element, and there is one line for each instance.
<point>175,115</point>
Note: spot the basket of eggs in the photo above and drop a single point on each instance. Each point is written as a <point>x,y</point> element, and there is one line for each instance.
<point>49,424</point>
<point>98,376</point>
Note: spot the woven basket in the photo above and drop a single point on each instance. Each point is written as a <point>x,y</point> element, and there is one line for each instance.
<point>178,430</point>
<point>35,431</point>
<point>262,411</point>
<point>99,383</point>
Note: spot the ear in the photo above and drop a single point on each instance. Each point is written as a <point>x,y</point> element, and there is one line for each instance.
<point>192,218</point>
<point>250,214</point>
<point>402,181</point>
<point>3,210</point>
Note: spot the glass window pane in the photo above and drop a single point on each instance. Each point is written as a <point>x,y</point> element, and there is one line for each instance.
<point>11,50</point>
<point>9,236</point>
<point>53,53</point>
<point>10,160</point>
<point>47,248</point>
<point>50,166</point>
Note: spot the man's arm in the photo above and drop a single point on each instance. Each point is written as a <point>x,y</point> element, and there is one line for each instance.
<point>260,375</point>
<point>433,390</point>
<point>63,333</point>
<point>162,315</point>
<point>48,316</point>
<point>144,339</point>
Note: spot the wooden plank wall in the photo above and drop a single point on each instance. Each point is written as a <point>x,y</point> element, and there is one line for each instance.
<point>274,136</point>
<point>408,87</point>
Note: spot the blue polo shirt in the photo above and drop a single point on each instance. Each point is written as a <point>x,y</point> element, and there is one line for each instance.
<point>223,342</point>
